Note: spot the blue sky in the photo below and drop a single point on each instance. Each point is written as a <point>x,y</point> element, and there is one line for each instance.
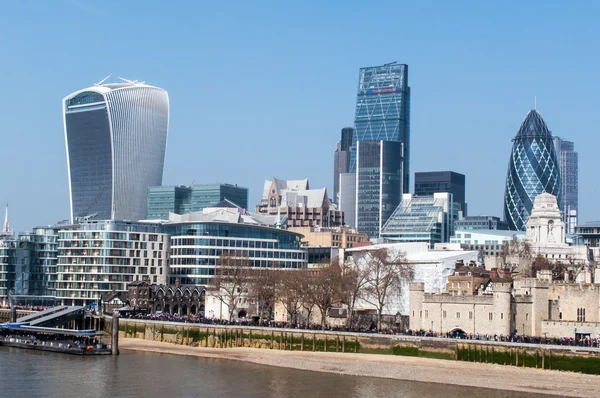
<point>262,89</point>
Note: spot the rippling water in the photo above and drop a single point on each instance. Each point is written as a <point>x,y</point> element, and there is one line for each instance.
<point>37,374</point>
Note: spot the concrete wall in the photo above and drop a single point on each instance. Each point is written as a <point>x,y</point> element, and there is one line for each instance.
<point>569,329</point>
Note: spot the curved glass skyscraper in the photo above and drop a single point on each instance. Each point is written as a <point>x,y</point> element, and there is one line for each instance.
<point>532,169</point>
<point>116,137</point>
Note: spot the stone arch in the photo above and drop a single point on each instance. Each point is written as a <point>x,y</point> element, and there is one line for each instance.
<point>160,294</point>
<point>169,293</point>
<point>184,309</point>
<point>167,309</point>
<point>187,293</point>
<point>158,308</point>
<point>178,293</point>
<point>242,314</point>
<point>193,309</point>
<point>175,309</point>
<point>457,332</point>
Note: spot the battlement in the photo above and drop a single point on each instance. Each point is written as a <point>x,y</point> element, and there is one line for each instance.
<point>416,287</point>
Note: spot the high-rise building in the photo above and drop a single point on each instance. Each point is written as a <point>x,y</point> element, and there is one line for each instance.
<point>379,184</point>
<point>182,199</point>
<point>428,183</point>
<point>568,162</point>
<point>347,198</point>
<point>380,153</point>
<point>383,111</point>
<point>533,168</point>
<point>116,136</point>
<point>341,160</point>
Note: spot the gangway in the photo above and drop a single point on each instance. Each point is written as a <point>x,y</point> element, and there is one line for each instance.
<point>41,314</point>
<point>53,316</point>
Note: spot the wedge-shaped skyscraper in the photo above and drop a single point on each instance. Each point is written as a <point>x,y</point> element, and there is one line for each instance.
<point>532,169</point>
<point>116,137</point>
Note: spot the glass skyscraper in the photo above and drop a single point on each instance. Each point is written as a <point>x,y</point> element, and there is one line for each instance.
<point>533,168</point>
<point>568,162</point>
<point>116,137</point>
<point>341,160</point>
<point>380,153</point>
<point>383,110</point>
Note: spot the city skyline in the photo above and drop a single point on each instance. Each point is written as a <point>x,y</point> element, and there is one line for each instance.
<point>452,101</point>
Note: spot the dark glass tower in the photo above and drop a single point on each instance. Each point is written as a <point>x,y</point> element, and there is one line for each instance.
<point>429,182</point>
<point>379,182</point>
<point>532,169</point>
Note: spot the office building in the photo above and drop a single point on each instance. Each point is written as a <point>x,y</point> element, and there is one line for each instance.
<point>198,240</point>
<point>347,198</point>
<point>568,162</point>
<point>380,154</point>
<point>383,111</point>
<point>533,168</point>
<point>186,199</point>
<point>98,257</point>
<point>480,222</point>
<point>341,160</point>
<point>297,205</point>
<point>427,183</point>
<point>116,136</point>
<point>486,242</point>
<point>43,242</point>
<point>379,184</point>
<point>342,237</point>
<point>421,219</point>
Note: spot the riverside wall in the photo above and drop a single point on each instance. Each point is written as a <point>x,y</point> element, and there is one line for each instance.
<point>579,359</point>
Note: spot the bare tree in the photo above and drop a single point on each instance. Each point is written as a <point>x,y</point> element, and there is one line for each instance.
<point>385,274</point>
<point>353,281</point>
<point>263,290</point>
<point>290,292</point>
<point>231,281</point>
<point>325,288</point>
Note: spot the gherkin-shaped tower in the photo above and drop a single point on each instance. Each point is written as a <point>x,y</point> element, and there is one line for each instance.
<point>532,169</point>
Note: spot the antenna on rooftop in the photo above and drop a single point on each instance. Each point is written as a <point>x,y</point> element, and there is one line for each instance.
<point>103,80</point>
<point>535,102</point>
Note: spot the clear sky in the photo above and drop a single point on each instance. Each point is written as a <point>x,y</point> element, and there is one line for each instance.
<point>262,89</point>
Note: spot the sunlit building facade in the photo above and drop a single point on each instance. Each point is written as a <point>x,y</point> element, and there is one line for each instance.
<point>116,137</point>
<point>533,168</point>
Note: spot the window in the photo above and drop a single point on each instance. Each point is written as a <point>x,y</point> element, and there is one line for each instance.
<point>426,313</point>
<point>470,314</point>
<point>580,314</point>
<point>420,314</point>
<point>526,317</point>
<point>502,315</point>
<point>444,314</point>
<point>458,315</point>
<point>491,316</point>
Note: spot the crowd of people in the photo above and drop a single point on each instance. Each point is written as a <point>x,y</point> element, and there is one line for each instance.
<point>584,341</point>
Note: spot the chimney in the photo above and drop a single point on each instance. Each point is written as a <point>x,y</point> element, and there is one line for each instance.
<point>494,273</point>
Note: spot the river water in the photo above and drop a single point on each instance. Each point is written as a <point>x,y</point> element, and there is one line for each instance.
<point>26,373</point>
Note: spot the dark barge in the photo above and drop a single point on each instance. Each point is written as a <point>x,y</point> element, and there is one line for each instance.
<point>65,341</point>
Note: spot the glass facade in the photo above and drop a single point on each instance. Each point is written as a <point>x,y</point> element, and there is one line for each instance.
<point>568,160</point>
<point>341,160</point>
<point>116,136</point>
<point>383,110</point>
<point>428,183</point>
<point>421,219</point>
<point>182,200</point>
<point>196,248</point>
<point>533,168</point>
<point>378,182</point>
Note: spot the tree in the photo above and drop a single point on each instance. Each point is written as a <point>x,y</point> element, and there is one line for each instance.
<point>263,290</point>
<point>290,292</point>
<point>231,281</point>
<point>385,274</point>
<point>353,282</point>
<point>325,288</point>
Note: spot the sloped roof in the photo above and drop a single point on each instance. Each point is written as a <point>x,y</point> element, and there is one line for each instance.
<point>293,185</point>
<point>305,197</point>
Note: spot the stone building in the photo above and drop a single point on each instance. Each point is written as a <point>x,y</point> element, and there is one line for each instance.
<point>171,299</point>
<point>342,237</point>
<point>301,206</point>
<point>528,306</point>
